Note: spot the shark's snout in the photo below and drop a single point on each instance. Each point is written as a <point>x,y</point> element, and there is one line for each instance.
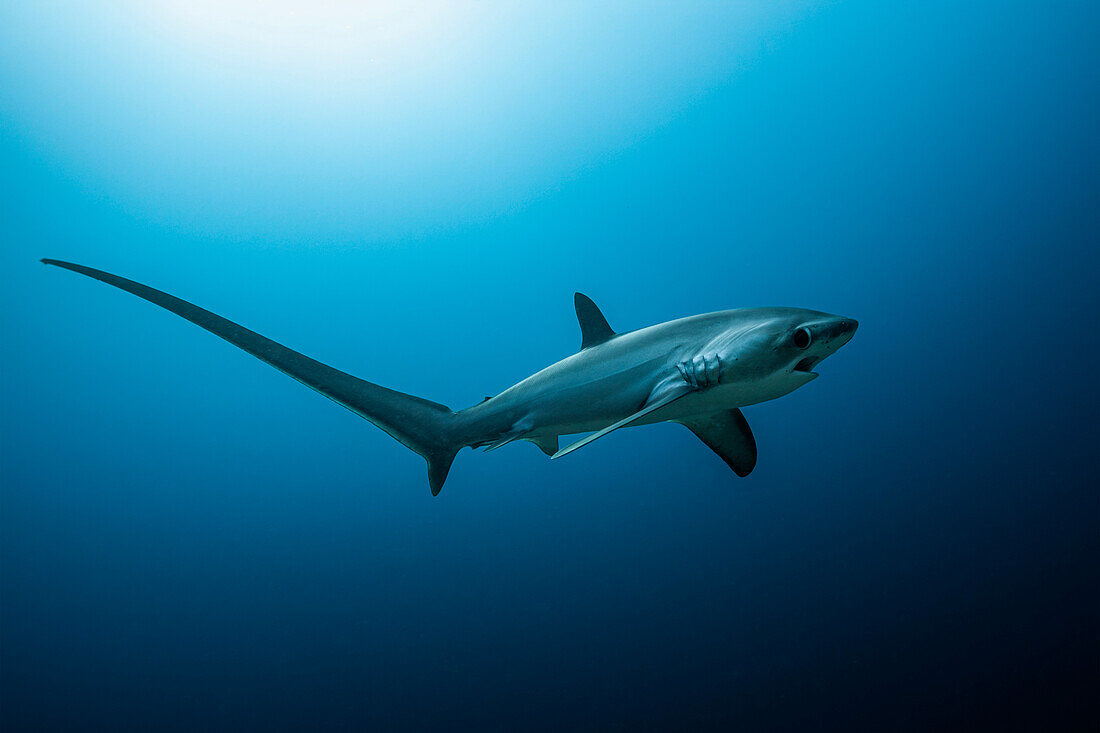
<point>820,339</point>
<point>844,330</point>
<point>834,334</point>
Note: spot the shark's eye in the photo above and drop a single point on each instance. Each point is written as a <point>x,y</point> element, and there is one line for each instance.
<point>802,338</point>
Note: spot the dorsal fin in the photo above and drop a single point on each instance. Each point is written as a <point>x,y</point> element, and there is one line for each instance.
<point>594,328</point>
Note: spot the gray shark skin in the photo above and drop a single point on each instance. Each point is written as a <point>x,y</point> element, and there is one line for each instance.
<point>696,371</point>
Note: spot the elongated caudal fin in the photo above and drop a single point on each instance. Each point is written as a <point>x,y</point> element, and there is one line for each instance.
<point>430,429</point>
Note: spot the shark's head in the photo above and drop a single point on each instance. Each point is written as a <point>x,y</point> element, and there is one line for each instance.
<point>808,337</point>
<point>773,351</point>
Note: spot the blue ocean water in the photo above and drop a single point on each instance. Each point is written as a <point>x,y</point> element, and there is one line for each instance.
<point>412,193</point>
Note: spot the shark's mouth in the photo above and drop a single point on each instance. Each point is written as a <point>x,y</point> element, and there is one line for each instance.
<point>807,364</point>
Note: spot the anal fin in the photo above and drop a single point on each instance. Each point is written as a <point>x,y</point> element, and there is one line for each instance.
<point>503,441</point>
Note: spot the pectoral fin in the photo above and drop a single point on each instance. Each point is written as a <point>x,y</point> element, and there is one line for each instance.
<point>728,434</point>
<point>654,403</point>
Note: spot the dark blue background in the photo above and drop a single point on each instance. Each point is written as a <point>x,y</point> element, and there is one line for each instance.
<point>192,540</point>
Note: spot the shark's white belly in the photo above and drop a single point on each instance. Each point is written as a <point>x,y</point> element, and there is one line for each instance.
<point>711,399</point>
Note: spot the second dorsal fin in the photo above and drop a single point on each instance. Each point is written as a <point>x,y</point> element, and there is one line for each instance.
<point>594,328</point>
